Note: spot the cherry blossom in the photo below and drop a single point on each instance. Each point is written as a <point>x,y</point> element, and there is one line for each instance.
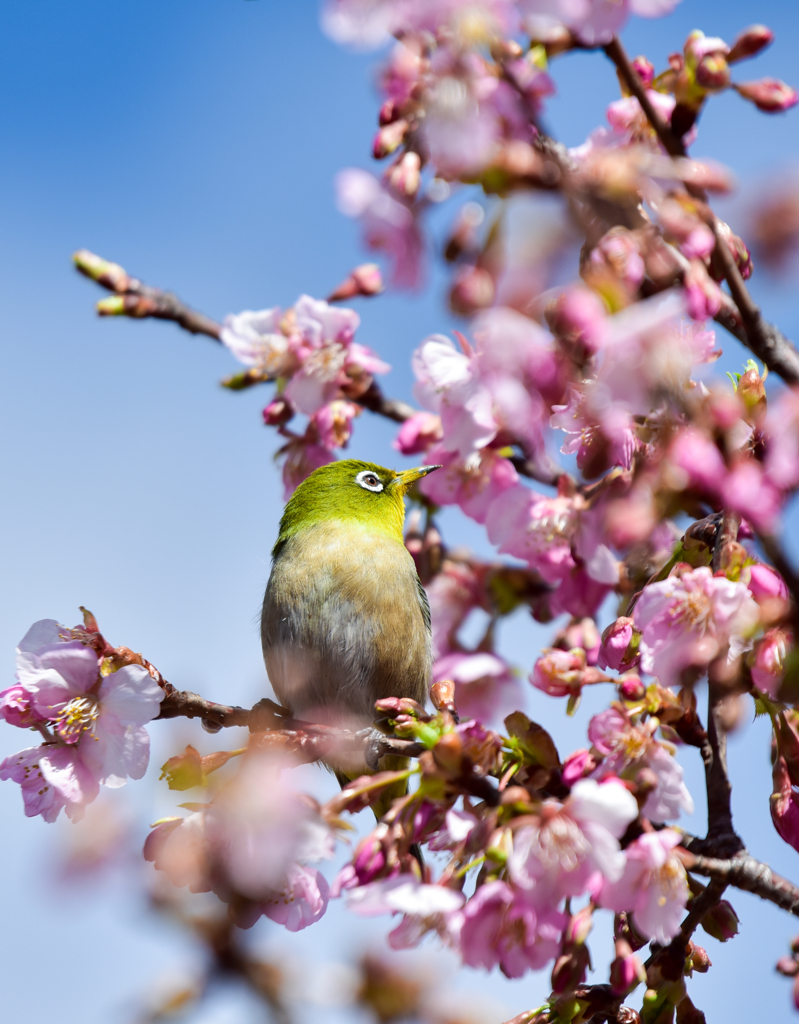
<point>97,720</point>
<point>500,925</point>
<point>575,843</point>
<point>626,748</point>
<point>688,620</point>
<point>652,887</point>
<point>388,224</point>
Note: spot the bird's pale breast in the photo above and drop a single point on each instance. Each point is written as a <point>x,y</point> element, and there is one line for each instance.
<point>344,624</point>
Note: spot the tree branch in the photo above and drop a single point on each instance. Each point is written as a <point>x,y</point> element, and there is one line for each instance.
<point>746,873</point>
<point>762,338</point>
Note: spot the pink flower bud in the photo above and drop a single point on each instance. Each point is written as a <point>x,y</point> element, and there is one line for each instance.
<point>577,765</point>
<point>713,73</point>
<point>616,639</point>
<point>631,688</point>
<point>751,41</point>
<point>784,805</point>
<point>365,280</point>
<point>645,69</point>
<point>278,412</point>
<point>697,959</point>
<point>419,433</point>
<point>768,94</point>
<point>404,177</point>
<point>721,921</point>
<point>388,112</point>
<point>702,293</point>
<point>389,138</point>
<point>579,317</point>
<point>626,971</point>
<point>473,289</point>
<point>766,583</point>
<point>787,966</point>
<point>559,673</point>
<point>768,667</point>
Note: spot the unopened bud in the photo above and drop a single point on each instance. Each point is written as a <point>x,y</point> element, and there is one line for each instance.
<point>627,1015</point>
<point>645,69</point>
<point>388,113</point>
<point>405,176</point>
<point>713,73</point>
<point>473,289</point>
<point>442,695</point>
<point>136,306</point>
<point>751,41</point>
<point>768,94</point>
<point>631,687</point>
<point>108,274</point>
<point>579,926</point>
<point>721,922</point>
<point>788,966</point>
<point>570,970</point>
<point>697,959</point>
<point>626,970</point>
<point>752,392</point>
<point>278,412</point>
<point>389,138</point>
<point>364,280</point>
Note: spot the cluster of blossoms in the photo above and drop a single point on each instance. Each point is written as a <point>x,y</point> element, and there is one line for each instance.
<point>321,370</point>
<point>611,369</point>
<point>91,708</point>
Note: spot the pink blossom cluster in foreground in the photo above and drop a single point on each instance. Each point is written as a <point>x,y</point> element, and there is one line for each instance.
<point>91,712</point>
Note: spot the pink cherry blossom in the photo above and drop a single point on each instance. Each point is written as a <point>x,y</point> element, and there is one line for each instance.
<point>248,840</point>
<point>452,595</point>
<point>458,826</point>
<point>52,779</point>
<point>691,619</point>
<point>448,382</point>
<point>574,844</point>
<point>768,667</point>
<point>653,886</point>
<point>535,528</point>
<point>388,224</point>
<point>425,907</point>
<point>97,721</point>
<point>300,457</point>
<point>696,462</point>
<point>500,925</point>
<point>419,433</point>
<point>627,748</point>
<point>472,483</point>
<point>333,423</point>
<point>257,339</point>
<point>301,900</point>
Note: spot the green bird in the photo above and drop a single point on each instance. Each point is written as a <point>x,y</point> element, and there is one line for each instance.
<point>345,618</point>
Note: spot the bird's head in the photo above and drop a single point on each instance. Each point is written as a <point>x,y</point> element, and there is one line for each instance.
<point>362,493</point>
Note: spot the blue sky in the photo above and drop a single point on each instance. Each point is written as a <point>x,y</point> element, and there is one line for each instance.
<point>195,142</point>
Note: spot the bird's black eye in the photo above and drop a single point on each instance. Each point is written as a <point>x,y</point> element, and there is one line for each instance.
<point>369,481</point>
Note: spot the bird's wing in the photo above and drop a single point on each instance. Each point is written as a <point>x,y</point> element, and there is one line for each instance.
<point>425,605</point>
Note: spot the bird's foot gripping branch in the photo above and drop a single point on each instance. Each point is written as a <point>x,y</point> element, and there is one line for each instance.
<point>654,546</point>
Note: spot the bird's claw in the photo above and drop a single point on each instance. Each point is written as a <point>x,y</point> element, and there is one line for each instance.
<point>372,752</point>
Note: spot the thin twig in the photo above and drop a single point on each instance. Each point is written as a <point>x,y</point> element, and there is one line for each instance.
<point>764,339</point>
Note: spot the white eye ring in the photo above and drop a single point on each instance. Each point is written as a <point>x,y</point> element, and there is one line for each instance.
<point>369,481</point>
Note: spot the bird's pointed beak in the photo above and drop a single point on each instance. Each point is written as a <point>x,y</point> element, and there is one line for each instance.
<point>409,476</point>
